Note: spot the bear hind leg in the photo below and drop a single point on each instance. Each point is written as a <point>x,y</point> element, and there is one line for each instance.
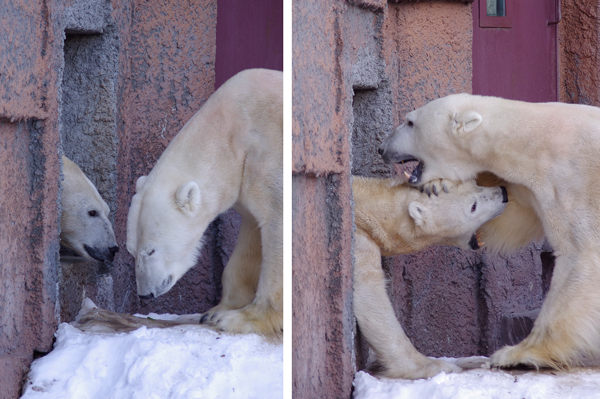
<point>567,330</point>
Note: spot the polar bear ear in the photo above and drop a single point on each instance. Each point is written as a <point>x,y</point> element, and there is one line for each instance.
<point>467,121</point>
<point>140,183</point>
<point>187,196</point>
<point>418,212</point>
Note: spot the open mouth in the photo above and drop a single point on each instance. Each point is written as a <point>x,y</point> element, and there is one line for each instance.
<point>69,255</point>
<point>94,253</point>
<point>415,176</point>
<point>475,242</point>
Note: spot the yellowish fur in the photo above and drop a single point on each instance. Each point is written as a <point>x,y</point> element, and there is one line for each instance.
<point>518,225</point>
<point>393,219</point>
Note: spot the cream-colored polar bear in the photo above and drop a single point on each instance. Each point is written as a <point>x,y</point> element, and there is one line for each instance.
<point>85,228</point>
<point>393,219</point>
<point>551,153</point>
<point>230,154</point>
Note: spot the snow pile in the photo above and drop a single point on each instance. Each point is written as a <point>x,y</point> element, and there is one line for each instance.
<point>185,361</point>
<point>484,384</point>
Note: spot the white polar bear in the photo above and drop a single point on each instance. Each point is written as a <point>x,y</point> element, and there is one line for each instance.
<point>393,219</point>
<point>551,153</point>
<point>86,231</point>
<point>230,154</point>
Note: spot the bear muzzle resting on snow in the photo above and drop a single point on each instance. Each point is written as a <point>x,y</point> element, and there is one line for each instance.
<point>549,154</point>
<point>229,154</point>
<point>86,233</point>
<point>393,219</point>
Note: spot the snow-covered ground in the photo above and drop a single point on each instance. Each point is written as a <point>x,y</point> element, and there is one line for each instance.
<point>581,383</point>
<point>184,361</point>
<point>190,361</point>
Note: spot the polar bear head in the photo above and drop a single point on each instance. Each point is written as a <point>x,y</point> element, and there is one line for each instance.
<point>438,135</point>
<point>85,228</point>
<point>164,234</point>
<point>453,219</point>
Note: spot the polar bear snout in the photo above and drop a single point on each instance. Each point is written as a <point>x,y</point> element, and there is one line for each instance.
<point>151,284</point>
<point>391,157</point>
<point>102,254</point>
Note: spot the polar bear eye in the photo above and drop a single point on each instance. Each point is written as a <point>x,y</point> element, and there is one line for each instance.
<point>409,123</point>
<point>474,207</point>
<point>151,252</point>
<point>92,213</point>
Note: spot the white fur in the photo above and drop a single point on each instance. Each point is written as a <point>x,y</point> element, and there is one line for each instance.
<point>397,219</point>
<point>550,153</point>
<point>228,155</point>
<point>80,227</point>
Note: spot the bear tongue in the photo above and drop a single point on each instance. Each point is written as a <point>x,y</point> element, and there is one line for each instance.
<point>415,177</point>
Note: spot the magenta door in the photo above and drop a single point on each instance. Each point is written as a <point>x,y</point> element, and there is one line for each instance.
<point>515,49</point>
<point>249,35</point>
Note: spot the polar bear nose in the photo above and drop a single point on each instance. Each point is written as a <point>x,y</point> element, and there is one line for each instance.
<point>146,297</point>
<point>504,194</point>
<point>380,151</point>
<point>114,250</point>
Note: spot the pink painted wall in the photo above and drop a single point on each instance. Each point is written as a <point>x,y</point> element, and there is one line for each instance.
<point>249,35</point>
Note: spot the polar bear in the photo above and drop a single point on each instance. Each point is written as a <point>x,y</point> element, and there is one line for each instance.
<point>551,153</point>
<point>393,219</point>
<point>86,233</point>
<point>230,154</point>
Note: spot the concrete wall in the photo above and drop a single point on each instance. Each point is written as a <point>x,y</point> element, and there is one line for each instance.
<point>29,190</point>
<point>166,73</point>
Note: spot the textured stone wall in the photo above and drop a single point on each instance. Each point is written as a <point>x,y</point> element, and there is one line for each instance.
<point>579,54</point>
<point>166,73</point>
<point>324,327</point>
<point>88,123</point>
<point>30,66</point>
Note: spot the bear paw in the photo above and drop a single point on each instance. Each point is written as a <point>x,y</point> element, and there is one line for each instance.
<point>424,368</point>
<point>438,185</point>
<point>252,318</point>
<point>512,356</point>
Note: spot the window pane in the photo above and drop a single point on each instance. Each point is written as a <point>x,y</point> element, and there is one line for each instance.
<point>495,8</point>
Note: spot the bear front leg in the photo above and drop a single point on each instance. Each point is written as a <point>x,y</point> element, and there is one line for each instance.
<point>241,274</point>
<point>396,356</point>
<point>264,316</point>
